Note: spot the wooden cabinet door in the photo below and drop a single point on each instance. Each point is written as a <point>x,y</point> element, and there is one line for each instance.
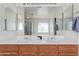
<point>8,50</point>
<point>28,50</point>
<point>68,50</point>
<point>41,50</point>
<point>48,50</point>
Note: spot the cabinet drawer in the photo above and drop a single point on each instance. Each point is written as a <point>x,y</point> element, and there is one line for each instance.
<point>66,48</point>
<point>28,48</point>
<point>48,48</point>
<point>8,54</point>
<point>8,48</point>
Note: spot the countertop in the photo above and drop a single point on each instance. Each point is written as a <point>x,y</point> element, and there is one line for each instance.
<point>13,38</point>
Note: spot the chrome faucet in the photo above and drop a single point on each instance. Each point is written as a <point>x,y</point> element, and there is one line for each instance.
<point>25,38</point>
<point>40,37</point>
<point>52,38</point>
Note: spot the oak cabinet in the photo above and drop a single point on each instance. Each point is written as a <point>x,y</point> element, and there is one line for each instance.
<point>48,50</point>
<point>38,50</point>
<point>29,50</point>
<point>8,50</point>
<point>68,50</point>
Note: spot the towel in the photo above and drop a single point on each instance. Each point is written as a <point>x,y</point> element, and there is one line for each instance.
<point>75,25</point>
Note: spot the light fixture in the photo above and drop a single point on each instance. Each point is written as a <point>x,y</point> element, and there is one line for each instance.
<point>28,17</point>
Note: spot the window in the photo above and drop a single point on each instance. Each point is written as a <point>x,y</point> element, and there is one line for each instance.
<point>20,27</point>
<point>43,28</point>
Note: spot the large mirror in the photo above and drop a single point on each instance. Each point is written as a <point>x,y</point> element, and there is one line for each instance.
<point>35,20</point>
<point>68,18</point>
<point>64,19</point>
<point>10,19</point>
<point>40,20</point>
<point>47,20</point>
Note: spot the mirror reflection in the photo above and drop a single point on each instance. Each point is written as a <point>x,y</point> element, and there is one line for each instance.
<point>35,20</point>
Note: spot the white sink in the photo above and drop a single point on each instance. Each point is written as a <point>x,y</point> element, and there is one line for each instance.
<point>23,38</point>
<point>55,39</point>
<point>35,39</point>
<point>28,39</point>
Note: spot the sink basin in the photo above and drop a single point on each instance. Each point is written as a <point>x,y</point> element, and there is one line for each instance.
<point>22,38</point>
<point>28,39</point>
<point>55,39</point>
<point>35,39</point>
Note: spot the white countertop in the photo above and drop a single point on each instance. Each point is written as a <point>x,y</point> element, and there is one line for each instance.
<point>19,41</point>
<point>12,38</point>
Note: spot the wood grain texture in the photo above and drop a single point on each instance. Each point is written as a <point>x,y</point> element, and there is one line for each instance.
<point>8,54</point>
<point>38,50</point>
<point>28,50</point>
<point>8,50</point>
<point>48,50</point>
<point>68,50</point>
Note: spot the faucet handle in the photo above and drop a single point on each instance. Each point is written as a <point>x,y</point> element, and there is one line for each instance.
<point>26,38</point>
<point>40,37</point>
<point>52,38</point>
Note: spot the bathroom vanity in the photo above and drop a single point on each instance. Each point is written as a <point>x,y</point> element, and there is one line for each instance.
<point>31,45</point>
<point>38,50</point>
<point>38,30</point>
